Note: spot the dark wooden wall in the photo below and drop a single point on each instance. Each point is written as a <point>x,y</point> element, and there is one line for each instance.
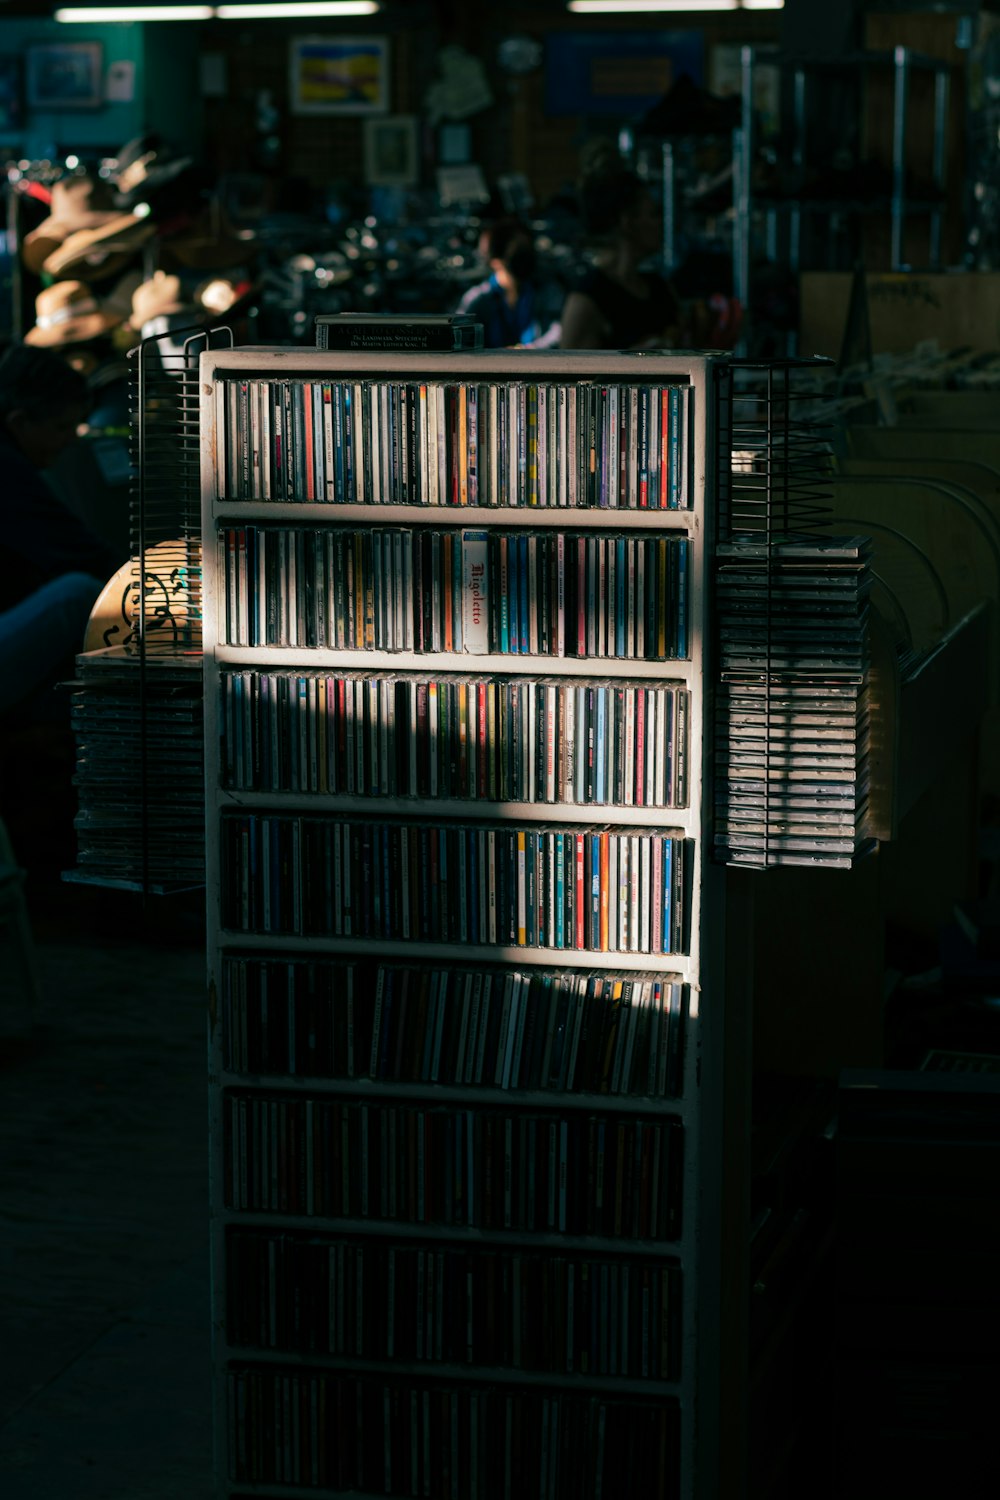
<point>513,135</point>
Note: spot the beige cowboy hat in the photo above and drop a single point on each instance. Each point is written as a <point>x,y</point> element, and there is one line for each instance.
<point>76,203</point>
<point>102,249</point>
<point>156,298</point>
<point>68,313</point>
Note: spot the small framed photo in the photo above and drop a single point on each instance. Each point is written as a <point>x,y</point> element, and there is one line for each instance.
<point>65,75</point>
<point>339,75</point>
<point>391,151</point>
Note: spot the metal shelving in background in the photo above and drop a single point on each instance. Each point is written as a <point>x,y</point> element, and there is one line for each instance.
<point>777,191</point>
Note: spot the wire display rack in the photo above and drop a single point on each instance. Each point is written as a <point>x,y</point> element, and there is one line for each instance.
<point>137,702</point>
<point>791,612</point>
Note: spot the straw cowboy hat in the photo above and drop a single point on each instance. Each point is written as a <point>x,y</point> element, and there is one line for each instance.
<point>68,313</point>
<point>157,298</point>
<point>101,250</point>
<point>76,203</point>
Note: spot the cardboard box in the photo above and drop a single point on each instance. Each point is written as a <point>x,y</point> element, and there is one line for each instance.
<point>957,308</point>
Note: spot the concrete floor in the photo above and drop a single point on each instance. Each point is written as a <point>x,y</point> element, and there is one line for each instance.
<point>104,1324</point>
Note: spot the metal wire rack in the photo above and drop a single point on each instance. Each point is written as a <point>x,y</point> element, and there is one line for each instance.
<point>137,702</point>
<point>773,464</point>
<point>165,507</point>
<point>791,644</point>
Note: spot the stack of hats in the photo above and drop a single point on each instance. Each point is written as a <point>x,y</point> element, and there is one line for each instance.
<point>84,233</point>
<point>147,208</point>
<point>85,251</point>
<point>92,236</point>
<point>69,312</point>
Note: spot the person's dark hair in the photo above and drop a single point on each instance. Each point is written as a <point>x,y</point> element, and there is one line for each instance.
<point>38,381</point>
<point>608,189</point>
<point>501,234</point>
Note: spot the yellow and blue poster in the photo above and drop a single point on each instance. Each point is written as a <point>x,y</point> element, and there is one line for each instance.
<point>339,75</point>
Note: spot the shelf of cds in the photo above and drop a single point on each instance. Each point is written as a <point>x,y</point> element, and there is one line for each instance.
<point>465,933</point>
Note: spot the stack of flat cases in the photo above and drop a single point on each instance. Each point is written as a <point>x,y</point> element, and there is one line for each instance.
<point>792,775</point>
<point>140,819</point>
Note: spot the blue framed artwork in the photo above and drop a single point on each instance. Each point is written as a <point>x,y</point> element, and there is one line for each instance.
<point>65,75</point>
<point>617,72</point>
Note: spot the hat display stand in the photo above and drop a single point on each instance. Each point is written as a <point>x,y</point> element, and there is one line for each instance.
<point>94,221</point>
<point>63,226</point>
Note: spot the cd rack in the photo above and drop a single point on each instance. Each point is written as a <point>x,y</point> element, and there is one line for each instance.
<point>467,951</point>
<point>791,621</point>
<point>137,701</point>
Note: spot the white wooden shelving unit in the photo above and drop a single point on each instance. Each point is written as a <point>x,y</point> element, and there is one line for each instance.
<point>288,1408</point>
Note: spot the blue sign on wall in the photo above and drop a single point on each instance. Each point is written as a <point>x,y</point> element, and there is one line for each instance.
<point>618,72</point>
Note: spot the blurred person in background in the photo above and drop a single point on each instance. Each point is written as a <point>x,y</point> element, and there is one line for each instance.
<point>509,302</point>
<point>52,567</point>
<point>619,303</point>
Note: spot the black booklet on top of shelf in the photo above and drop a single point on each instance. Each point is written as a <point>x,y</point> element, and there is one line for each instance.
<point>400,331</point>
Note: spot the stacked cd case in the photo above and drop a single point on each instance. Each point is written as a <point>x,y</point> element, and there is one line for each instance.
<point>139,769</point>
<point>792,774</point>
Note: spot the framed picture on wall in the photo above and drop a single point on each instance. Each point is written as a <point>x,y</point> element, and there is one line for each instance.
<point>11,110</point>
<point>339,75</point>
<point>619,72</point>
<point>65,75</point>
<point>391,151</point>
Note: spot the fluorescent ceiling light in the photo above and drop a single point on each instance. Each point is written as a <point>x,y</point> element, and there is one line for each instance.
<point>635,7</point>
<point>297,8</point>
<point>91,13</point>
<point>650,7</point>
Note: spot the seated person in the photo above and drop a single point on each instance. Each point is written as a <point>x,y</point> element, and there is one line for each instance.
<point>507,303</point>
<point>52,567</point>
<point>618,304</point>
